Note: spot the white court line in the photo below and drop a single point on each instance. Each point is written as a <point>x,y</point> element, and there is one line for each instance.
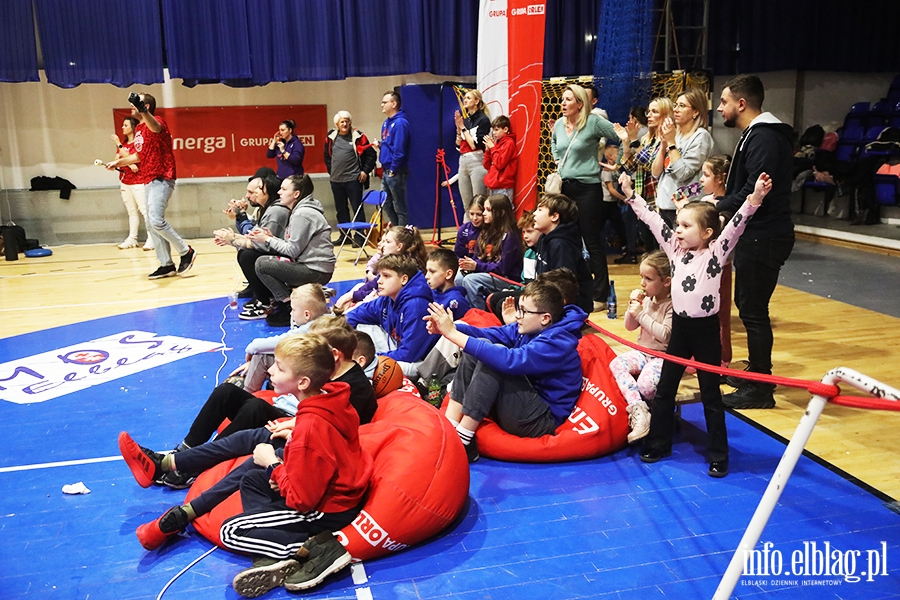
<point>358,572</point>
<point>363,594</point>
<point>153,302</point>
<point>64,463</point>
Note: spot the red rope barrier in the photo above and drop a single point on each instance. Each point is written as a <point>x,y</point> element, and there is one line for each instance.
<point>868,403</point>
<point>813,387</point>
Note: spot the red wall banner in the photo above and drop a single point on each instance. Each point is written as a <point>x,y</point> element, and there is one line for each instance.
<point>525,20</point>
<point>231,141</point>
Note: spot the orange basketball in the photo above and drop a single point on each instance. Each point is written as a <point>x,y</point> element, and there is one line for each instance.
<point>388,376</point>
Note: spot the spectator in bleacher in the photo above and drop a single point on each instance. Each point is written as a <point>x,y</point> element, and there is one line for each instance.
<point>349,158</point>
<point>287,150</point>
<point>574,147</point>
<point>764,147</point>
<point>687,144</point>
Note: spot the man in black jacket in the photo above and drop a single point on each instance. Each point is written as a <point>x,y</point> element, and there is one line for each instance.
<point>764,147</point>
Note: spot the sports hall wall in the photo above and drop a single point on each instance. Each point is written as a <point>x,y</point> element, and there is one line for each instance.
<point>46,130</point>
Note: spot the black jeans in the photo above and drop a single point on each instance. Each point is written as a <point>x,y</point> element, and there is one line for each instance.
<point>351,191</point>
<point>757,263</point>
<point>206,456</point>
<point>245,410</point>
<point>698,338</point>
<point>247,258</point>
<point>592,217</point>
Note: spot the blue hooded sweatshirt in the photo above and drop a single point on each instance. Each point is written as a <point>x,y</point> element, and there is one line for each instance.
<point>549,359</point>
<point>453,300</point>
<point>401,319</point>
<point>394,153</point>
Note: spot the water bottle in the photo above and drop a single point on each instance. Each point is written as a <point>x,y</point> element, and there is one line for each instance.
<point>434,391</point>
<point>611,301</point>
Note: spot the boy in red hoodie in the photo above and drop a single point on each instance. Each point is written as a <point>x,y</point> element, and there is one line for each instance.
<point>501,159</point>
<point>293,498</point>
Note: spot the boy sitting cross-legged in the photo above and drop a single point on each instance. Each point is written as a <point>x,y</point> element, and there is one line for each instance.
<point>395,317</point>
<point>440,271</point>
<point>301,484</point>
<point>526,376</point>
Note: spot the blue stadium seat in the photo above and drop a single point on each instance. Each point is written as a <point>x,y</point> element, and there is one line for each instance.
<point>887,190</point>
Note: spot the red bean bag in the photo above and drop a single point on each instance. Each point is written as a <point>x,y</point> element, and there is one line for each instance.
<point>598,424</point>
<point>481,318</point>
<point>420,483</point>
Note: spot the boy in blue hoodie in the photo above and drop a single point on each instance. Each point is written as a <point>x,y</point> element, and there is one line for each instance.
<point>403,299</point>
<point>526,375</point>
<point>440,272</point>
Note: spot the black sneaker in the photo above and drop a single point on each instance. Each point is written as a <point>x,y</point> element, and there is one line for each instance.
<point>177,481</point>
<point>255,311</point>
<point>265,574</point>
<point>472,451</point>
<point>187,261</point>
<point>751,395</point>
<point>280,316</point>
<point>733,380</point>
<point>324,555</point>
<point>166,271</point>
<point>245,293</point>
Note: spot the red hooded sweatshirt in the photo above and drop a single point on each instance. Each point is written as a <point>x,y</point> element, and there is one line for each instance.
<point>325,469</point>
<point>501,163</point>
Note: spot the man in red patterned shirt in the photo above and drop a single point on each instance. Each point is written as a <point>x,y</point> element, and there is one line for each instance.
<point>153,149</point>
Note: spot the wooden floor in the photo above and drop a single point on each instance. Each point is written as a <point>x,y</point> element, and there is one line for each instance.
<point>812,335</point>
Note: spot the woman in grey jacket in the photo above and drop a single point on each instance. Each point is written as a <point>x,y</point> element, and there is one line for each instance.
<point>305,255</point>
<point>686,145</point>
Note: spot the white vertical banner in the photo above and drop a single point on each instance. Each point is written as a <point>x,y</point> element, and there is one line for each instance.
<point>493,56</point>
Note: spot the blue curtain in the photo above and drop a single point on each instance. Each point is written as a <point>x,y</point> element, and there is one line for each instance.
<point>293,40</point>
<point>208,40</point>
<point>18,50</point>
<point>451,49</point>
<point>624,55</point>
<point>822,35</point>
<point>384,37</point>
<point>100,41</point>
<point>569,39</point>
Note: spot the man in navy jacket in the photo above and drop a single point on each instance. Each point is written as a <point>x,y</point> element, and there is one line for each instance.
<point>394,157</point>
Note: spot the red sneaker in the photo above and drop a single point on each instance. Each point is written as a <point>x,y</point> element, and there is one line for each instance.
<point>151,535</point>
<point>144,463</point>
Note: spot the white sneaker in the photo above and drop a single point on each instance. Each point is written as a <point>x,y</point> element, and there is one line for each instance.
<point>148,245</point>
<point>639,422</point>
<point>129,242</point>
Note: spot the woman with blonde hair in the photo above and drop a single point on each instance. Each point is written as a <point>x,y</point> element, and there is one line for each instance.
<point>637,156</point>
<point>573,144</point>
<point>687,145</point>
<point>470,133</point>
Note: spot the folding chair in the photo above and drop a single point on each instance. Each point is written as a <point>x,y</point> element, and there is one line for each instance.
<point>372,198</point>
